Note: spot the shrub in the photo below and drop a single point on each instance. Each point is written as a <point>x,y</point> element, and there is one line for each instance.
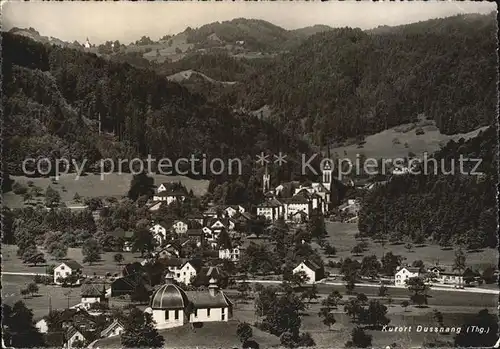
<point>19,189</point>
<point>419,131</point>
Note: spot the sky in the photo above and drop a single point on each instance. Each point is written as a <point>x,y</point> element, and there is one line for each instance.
<point>129,21</point>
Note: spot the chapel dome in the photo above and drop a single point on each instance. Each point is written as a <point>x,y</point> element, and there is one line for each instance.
<point>169,296</point>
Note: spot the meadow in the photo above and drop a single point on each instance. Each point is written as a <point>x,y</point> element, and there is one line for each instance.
<point>390,143</point>
<point>341,236</point>
<point>12,263</point>
<point>92,185</point>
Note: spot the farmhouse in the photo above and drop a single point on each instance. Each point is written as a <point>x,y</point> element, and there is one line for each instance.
<point>271,209</point>
<point>65,269</point>
<point>313,271</point>
<point>93,293</point>
<point>231,211</point>
<point>171,306</point>
<point>159,232</point>
<point>180,227</point>
<point>405,273</point>
<point>114,329</point>
<point>232,254</point>
<point>168,193</point>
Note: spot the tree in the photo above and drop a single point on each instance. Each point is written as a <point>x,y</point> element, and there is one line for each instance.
<point>118,258</point>
<point>58,250</point>
<point>77,198</point>
<point>265,300</point>
<point>52,197</point>
<point>32,288</point>
<point>329,250</point>
<point>299,278</point>
<point>244,331</point>
<point>438,316</point>
<point>287,339</point>
<point>284,315</point>
<point>91,251</point>
<point>310,293</point>
<point>419,289</point>
<point>375,315</point>
<point>390,262</point>
<point>370,267</point>
<point>243,288</point>
<point>383,291</point>
<point>328,304</point>
<point>139,331</point>
<point>223,240</point>
<point>405,304</point>
<point>29,252</point>
<point>354,309</point>
<point>18,328</point>
<point>143,241</point>
<point>328,318</point>
<point>483,320</point>
<point>359,339</point>
<point>141,184</point>
<point>140,294</point>
<point>460,262</point>
<point>357,250</point>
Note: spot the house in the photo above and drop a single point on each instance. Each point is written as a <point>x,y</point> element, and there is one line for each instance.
<point>180,227</point>
<point>313,271</point>
<point>171,306</point>
<point>155,206</point>
<point>171,250</point>
<point>195,217</point>
<point>42,325</point>
<point>232,254</point>
<point>196,235</point>
<point>127,284</point>
<point>405,273</point>
<point>298,217</point>
<point>205,274</point>
<point>93,293</point>
<point>186,272</point>
<point>159,233</point>
<point>230,211</point>
<point>297,203</point>
<point>169,192</point>
<point>65,269</point>
<point>114,329</point>
<point>271,209</point>
<point>73,335</point>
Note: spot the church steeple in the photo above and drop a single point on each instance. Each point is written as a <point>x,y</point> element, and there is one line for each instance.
<point>266,180</point>
<point>327,174</point>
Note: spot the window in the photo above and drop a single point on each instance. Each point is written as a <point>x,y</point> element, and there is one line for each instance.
<point>176,315</point>
<point>195,312</point>
<point>166,314</point>
<point>62,267</point>
<point>208,312</point>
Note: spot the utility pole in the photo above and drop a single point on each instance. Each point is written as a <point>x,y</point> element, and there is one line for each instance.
<point>99,124</point>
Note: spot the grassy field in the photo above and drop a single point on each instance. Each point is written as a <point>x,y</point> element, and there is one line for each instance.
<point>340,332</point>
<point>91,185</point>
<point>341,235</point>
<point>12,284</point>
<point>210,335</point>
<point>381,145</point>
<point>11,263</point>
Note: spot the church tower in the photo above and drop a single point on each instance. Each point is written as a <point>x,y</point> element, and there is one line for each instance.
<point>266,181</point>
<point>327,174</point>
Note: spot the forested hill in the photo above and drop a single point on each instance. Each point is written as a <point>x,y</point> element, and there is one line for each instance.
<point>449,209</point>
<point>346,82</point>
<point>52,98</point>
